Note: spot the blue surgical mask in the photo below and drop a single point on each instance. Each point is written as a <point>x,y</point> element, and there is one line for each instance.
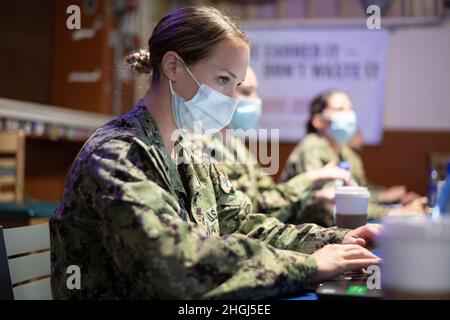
<point>207,112</point>
<point>247,114</point>
<point>343,126</point>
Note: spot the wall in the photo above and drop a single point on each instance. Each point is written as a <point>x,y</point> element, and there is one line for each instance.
<point>418,95</point>
<point>89,55</point>
<point>26,49</point>
<point>417,114</point>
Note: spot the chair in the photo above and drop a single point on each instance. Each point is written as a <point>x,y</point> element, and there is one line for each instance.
<point>12,166</point>
<point>25,263</point>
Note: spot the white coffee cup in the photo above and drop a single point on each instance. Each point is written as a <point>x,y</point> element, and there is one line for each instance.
<point>351,206</point>
<point>416,258</point>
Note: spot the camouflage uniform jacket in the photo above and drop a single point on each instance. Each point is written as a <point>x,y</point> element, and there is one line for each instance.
<point>139,226</point>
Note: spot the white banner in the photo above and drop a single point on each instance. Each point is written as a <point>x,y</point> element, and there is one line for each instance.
<point>294,65</point>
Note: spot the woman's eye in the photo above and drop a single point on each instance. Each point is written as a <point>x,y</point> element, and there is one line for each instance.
<point>223,80</point>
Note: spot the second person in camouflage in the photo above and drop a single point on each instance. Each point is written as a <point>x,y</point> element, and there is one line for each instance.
<point>331,126</point>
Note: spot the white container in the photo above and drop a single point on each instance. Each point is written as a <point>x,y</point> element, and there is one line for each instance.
<point>416,258</point>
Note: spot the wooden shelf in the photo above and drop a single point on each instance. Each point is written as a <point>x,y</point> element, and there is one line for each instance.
<point>7,180</point>
<point>50,115</point>
<point>7,163</point>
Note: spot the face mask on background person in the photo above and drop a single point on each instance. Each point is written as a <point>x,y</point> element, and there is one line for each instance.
<point>208,112</point>
<point>343,126</point>
<point>247,114</point>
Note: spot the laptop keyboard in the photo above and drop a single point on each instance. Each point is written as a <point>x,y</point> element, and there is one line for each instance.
<point>348,285</point>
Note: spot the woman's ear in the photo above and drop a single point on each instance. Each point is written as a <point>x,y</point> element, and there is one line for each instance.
<point>169,65</point>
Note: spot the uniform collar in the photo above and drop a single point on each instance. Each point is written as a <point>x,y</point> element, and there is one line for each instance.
<point>150,130</point>
<point>148,124</point>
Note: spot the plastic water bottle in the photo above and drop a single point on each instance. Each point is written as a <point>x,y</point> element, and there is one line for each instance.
<point>345,166</point>
<point>433,188</point>
<point>440,187</point>
<point>442,207</point>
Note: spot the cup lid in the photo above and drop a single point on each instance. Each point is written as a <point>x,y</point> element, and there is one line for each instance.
<point>415,227</point>
<point>352,191</point>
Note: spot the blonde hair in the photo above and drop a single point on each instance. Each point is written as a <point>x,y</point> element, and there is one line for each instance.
<point>192,32</point>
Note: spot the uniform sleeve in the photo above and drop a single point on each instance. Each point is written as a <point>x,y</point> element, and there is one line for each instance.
<point>284,201</point>
<point>317,211</point>
<point>142,231</point>
<point>306,238</point>
<point>292,166</point>
<point>308,155</point>
<point>356,166</point>
<point>312,156</point>
<point>375,211</point>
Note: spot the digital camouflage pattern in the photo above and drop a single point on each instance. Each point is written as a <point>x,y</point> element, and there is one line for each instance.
<point>284,201</point>
<point>140,227</point>
<point>313,153</point>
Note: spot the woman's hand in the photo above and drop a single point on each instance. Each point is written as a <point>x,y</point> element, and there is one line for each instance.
<point>410,197</point>
<point>326,194</point>
<point>363,236</point>
<point>328,173</point>
<point>393,194</point>
<point>335,259</point>
<point>418,207</point>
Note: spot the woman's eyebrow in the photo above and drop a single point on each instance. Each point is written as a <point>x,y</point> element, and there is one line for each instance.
<point>231,73</point>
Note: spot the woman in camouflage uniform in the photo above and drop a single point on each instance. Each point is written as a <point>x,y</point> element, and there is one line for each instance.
<point>141,225</point>
<point>323,145</point>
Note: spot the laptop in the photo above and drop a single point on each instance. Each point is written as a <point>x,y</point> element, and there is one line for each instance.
<point>348,286</point>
